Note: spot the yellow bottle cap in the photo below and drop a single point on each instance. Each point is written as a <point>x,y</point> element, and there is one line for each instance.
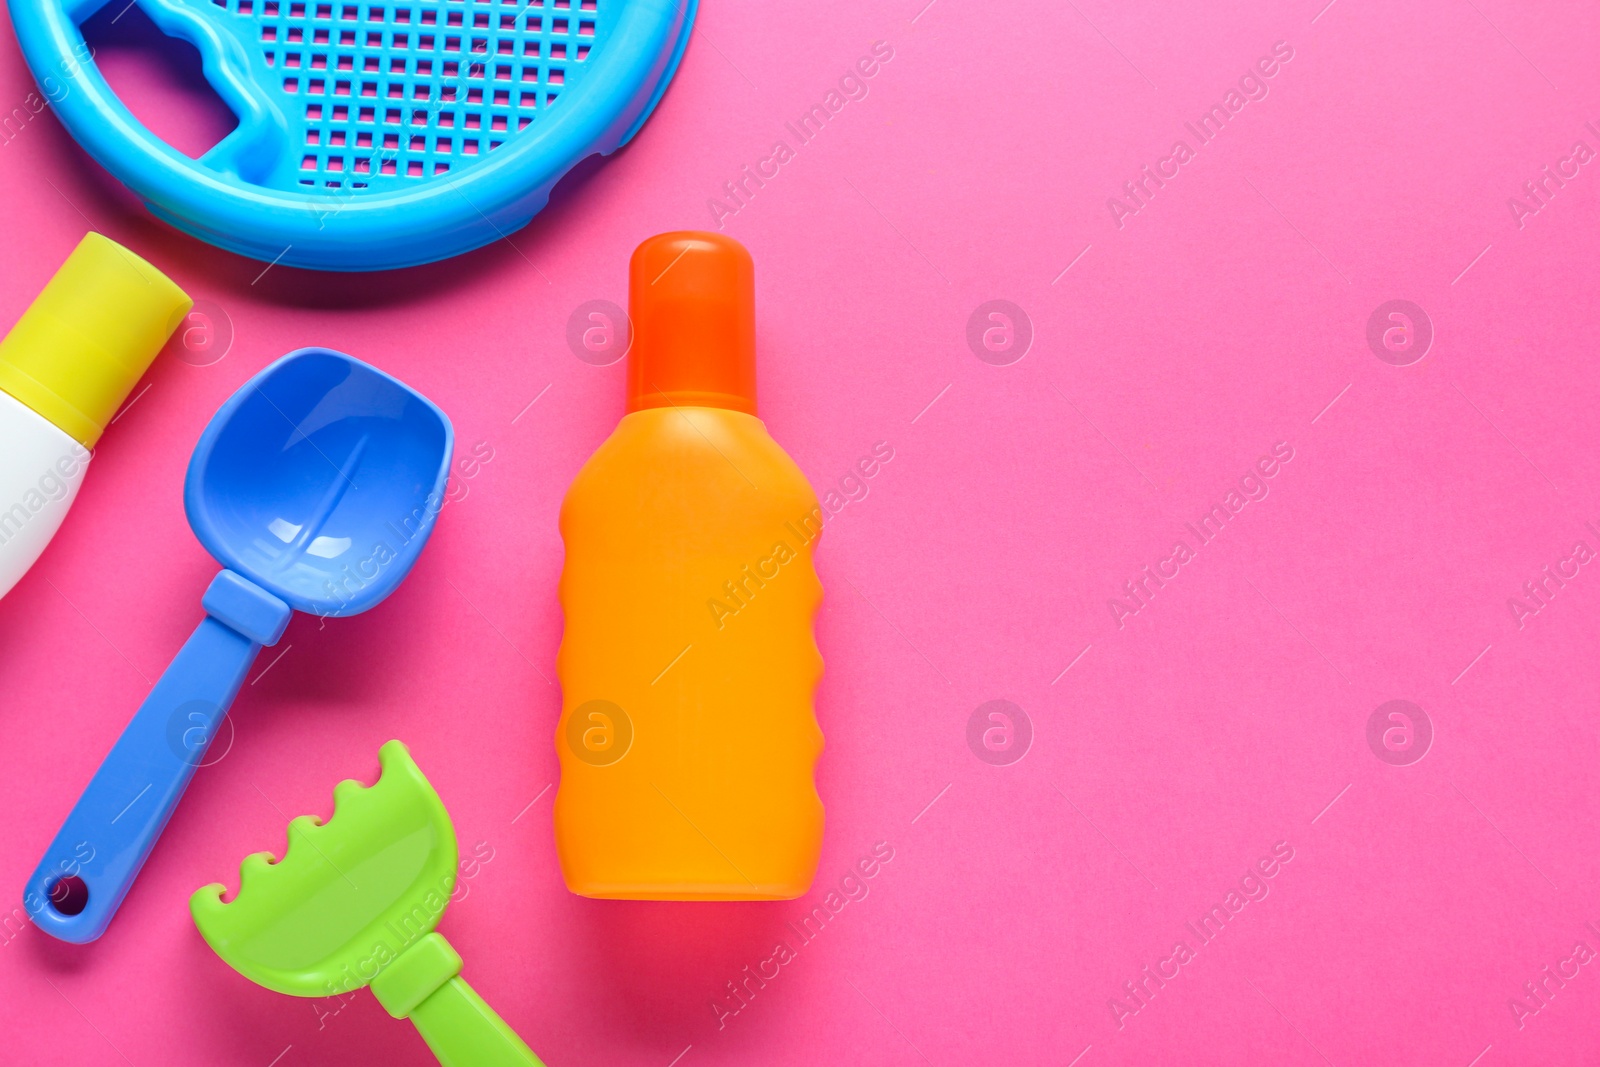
<point>80,347</point>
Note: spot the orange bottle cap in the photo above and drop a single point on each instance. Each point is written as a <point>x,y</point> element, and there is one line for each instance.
<point>692,299</point>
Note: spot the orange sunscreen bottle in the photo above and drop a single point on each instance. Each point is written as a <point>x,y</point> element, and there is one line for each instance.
<point>688,665</point>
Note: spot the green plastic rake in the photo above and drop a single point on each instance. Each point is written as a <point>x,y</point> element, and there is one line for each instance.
<point>354,902</point>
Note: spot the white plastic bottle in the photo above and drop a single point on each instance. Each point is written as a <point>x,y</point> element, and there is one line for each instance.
<point>65,369</point>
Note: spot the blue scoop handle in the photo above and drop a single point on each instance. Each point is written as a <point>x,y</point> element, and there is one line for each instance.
<point>111,830</point>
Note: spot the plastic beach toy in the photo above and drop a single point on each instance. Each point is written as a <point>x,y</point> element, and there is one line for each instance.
<point>316,485</point>
<point>688,737</point>
<point>354,902</point>
<point>372,133</point>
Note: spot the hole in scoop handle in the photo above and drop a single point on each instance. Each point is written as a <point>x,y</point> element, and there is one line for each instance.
<point>111,830</point>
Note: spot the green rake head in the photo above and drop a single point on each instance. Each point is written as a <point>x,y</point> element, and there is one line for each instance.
<point>348,896</point>
<point>354,902</point>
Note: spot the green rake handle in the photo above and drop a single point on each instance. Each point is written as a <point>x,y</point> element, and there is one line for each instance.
<point>424,985</point>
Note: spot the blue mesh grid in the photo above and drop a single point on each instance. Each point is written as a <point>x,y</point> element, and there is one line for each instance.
<point>373,134</point>
<point>378,93</point>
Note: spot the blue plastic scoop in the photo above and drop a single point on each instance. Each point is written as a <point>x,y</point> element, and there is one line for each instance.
<point>315,486</point>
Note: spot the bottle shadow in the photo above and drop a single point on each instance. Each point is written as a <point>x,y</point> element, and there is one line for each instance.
<point>659,966</point>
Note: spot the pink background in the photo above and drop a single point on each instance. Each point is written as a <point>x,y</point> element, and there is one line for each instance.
<point>1229,714</point>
